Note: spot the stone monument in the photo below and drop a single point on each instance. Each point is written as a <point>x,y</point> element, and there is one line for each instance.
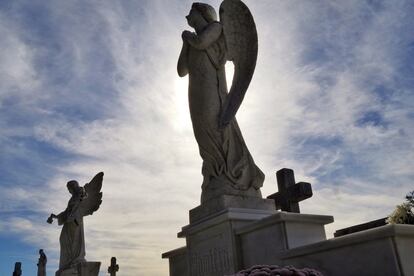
<point>84,201</point>
<point>231,197</point>
<point>228,168</point>
<point>41,264</point>
<point>234,228</point>
<point>113,269</point>
<point>17,269</point>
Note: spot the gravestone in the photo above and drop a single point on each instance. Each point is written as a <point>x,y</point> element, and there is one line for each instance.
<point>17,269</point>
<point>290,193</point>
<point>113,269</point>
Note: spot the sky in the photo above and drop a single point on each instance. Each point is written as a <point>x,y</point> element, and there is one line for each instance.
<point>90,86</point>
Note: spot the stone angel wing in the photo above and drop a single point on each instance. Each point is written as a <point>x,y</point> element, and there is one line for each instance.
<point>94,195</point>
<point>241,39</point>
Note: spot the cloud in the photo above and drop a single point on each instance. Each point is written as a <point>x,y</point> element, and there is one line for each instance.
<point>93,87</point>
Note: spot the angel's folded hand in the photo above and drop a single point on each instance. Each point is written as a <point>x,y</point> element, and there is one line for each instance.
<point>186,35</point>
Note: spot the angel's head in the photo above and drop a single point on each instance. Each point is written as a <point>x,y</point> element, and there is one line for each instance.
<point>73,186</point>
<point>201,14</point>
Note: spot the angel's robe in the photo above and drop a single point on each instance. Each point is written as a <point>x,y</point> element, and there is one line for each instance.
<point>72,238</point>
<point>228,168</point>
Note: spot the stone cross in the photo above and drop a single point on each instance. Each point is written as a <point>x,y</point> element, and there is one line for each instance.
<point>113,268</point>
<point>290,193</point>
<point>17,269</point>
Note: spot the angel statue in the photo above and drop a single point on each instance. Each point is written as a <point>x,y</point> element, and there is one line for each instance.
<point>84,201</point>
<point>228,168</point>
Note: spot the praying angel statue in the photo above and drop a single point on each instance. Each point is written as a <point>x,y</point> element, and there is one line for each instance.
<point>84,201</point>
<point>228,168</point>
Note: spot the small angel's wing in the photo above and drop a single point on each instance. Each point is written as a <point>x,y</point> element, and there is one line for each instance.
<point>241,38</point>
<point>94,195</point>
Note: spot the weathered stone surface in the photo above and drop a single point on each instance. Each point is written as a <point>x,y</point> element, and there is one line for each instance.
<point>178,261</point>
<point>381,251</point>
<point>264,239</point>
<point>360,227</point>
<point>228,168</point>
<point>82,269</point>
<point>212,247</point>
<point>68,272</point>
<point>224,202</point>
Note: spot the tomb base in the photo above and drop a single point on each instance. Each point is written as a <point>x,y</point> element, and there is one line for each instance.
<point>212,247</point>
<point>263,240</point>
<point>381,251</point>
<point>178,263</point>
<point>237,238</point>
<point>81,269</point>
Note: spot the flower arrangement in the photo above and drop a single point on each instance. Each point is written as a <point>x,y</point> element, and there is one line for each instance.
<point>403,213</point>
<point>270,270</point>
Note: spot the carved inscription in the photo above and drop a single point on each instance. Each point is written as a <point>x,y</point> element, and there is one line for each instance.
<point>216,260</point>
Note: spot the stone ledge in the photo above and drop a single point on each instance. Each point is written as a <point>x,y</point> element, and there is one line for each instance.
<point>216,205</point>
<point>81,269</point>
<point>283,217</point>
<point>174,252</point>
<point>360,227</point>
<point>225,215</point>
<point>351,239</point>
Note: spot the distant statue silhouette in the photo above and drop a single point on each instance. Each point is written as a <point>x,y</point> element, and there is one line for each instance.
<point>41,265</point>
<point>17,269</point>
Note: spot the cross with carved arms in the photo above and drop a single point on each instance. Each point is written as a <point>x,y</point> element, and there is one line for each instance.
<point>290,193</point>
<point>113,268</point>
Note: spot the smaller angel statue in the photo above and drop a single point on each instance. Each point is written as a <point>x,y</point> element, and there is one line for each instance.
<point>84,201</point>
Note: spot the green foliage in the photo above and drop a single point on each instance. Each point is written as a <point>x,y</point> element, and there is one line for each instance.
<point>410,198</point>
<point>403,214</point>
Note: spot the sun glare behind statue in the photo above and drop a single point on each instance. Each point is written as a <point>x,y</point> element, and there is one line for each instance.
<point>229,73</point>
<point>182,120</point>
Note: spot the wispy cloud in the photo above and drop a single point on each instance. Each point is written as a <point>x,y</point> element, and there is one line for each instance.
<point>89,87</point>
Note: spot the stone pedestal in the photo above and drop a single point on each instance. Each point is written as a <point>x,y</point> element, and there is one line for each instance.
<point>212,247</point>
<point>264,239</point>
<point>219,204</point>
<point>82,269</point>
<point>178,262</point>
